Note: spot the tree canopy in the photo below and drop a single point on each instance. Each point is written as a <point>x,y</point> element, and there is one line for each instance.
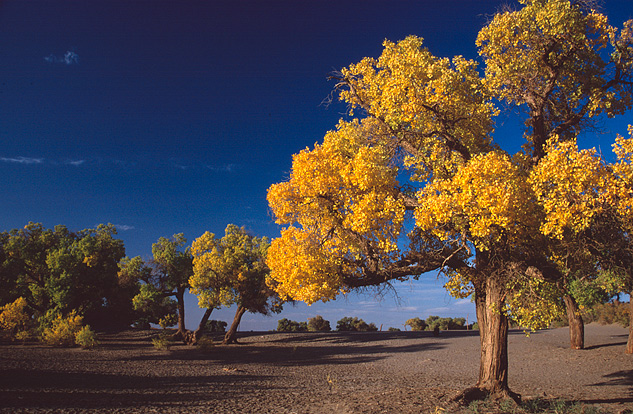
<point>57,271</point>
<point>232,270</point>
<point>417,182</point>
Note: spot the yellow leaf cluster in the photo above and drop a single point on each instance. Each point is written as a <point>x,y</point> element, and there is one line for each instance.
<point>622,191</point>
<point>341,194</point>
<point>14,317</point>
<point>458,285</point>
<point>522,47</point>
<point>221,267</point>
<point>303,267</point>
<point>426,98</point>
<point>487,201</point>
<point>571,185</point>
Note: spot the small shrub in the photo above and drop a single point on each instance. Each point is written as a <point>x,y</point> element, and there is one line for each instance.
<point>392,329</point>
<point>161,341</point>
<point>215,326</point>
<point>86,338</point>
<point>15,320</point>
<point>318,324</point>
<point>205,344</point>
<point>62,331</point>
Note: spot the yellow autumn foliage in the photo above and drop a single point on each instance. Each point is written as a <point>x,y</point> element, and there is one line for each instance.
<point>488,201</point>
<point>571,185</point>
<point>224,268</point>
<point>422,158</point>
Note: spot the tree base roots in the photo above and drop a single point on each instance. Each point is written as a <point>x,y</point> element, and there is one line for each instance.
<point>478,394</point>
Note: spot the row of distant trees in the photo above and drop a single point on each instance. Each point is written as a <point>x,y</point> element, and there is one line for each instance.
<point>318,324</point>
<point>51,278</point>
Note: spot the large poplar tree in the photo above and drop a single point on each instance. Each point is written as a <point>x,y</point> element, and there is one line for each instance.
<point>422,158</point>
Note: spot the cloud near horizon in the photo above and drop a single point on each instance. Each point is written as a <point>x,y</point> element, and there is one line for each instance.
<point>69,58</point>
<point>22,160</point>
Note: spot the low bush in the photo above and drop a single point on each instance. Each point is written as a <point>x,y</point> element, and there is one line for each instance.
<point>62,331</point>
<point>215,326</point>
<point>15,320</point>
<point>86,338</point>
<point>205,344</point>
<point>611,312</point>
<point>161,341</point>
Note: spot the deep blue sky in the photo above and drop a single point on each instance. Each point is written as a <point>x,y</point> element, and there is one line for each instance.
<point>164,117</point>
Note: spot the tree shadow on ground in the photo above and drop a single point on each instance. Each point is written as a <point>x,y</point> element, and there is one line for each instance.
<point>61,390</point>
<point>606,345</point>
<point>618,378</point>
<point>310,351</point>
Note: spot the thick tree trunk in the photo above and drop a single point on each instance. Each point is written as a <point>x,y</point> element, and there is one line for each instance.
<point>231,335</point>
<point>629,343</point>
<point>576,324</point>
<point>493,335</point>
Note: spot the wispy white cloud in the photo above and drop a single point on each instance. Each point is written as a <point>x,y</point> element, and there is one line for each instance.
<point>124,227</point>
<point>76,163</point>
<point>69,58</point>
<point>224,168</point>
<point>23,160</point>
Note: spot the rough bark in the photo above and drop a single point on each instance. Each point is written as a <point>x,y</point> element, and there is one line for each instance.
<point>629,343</point>
<point>181,334</point>
<point>576,324</point>
<point>493,334</point>
<point>192,338</point>
<point>231,335</point>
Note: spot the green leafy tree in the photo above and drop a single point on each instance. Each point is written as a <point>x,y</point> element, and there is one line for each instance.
<point>318,324</point>
<point>165,276</point>
<point>416,324</point>
<point>58,271</point>
<point>173,266</point>
<point>286,325</point>
<point>232,270</point>
<point>355,324</point>
<point>150,304</point>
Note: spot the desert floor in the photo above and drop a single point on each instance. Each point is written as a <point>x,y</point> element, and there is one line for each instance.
<point>378,372</point>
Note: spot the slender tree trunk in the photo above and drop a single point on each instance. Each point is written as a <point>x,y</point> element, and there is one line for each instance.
<point>576,324</point>
<point>231,335</point>
<point>202,326</point>
<point>629,343</point>
<point>180,298</point>
<point>493,335</point>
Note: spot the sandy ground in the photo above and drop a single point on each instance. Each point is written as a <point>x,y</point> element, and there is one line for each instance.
<point>381,372</point>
